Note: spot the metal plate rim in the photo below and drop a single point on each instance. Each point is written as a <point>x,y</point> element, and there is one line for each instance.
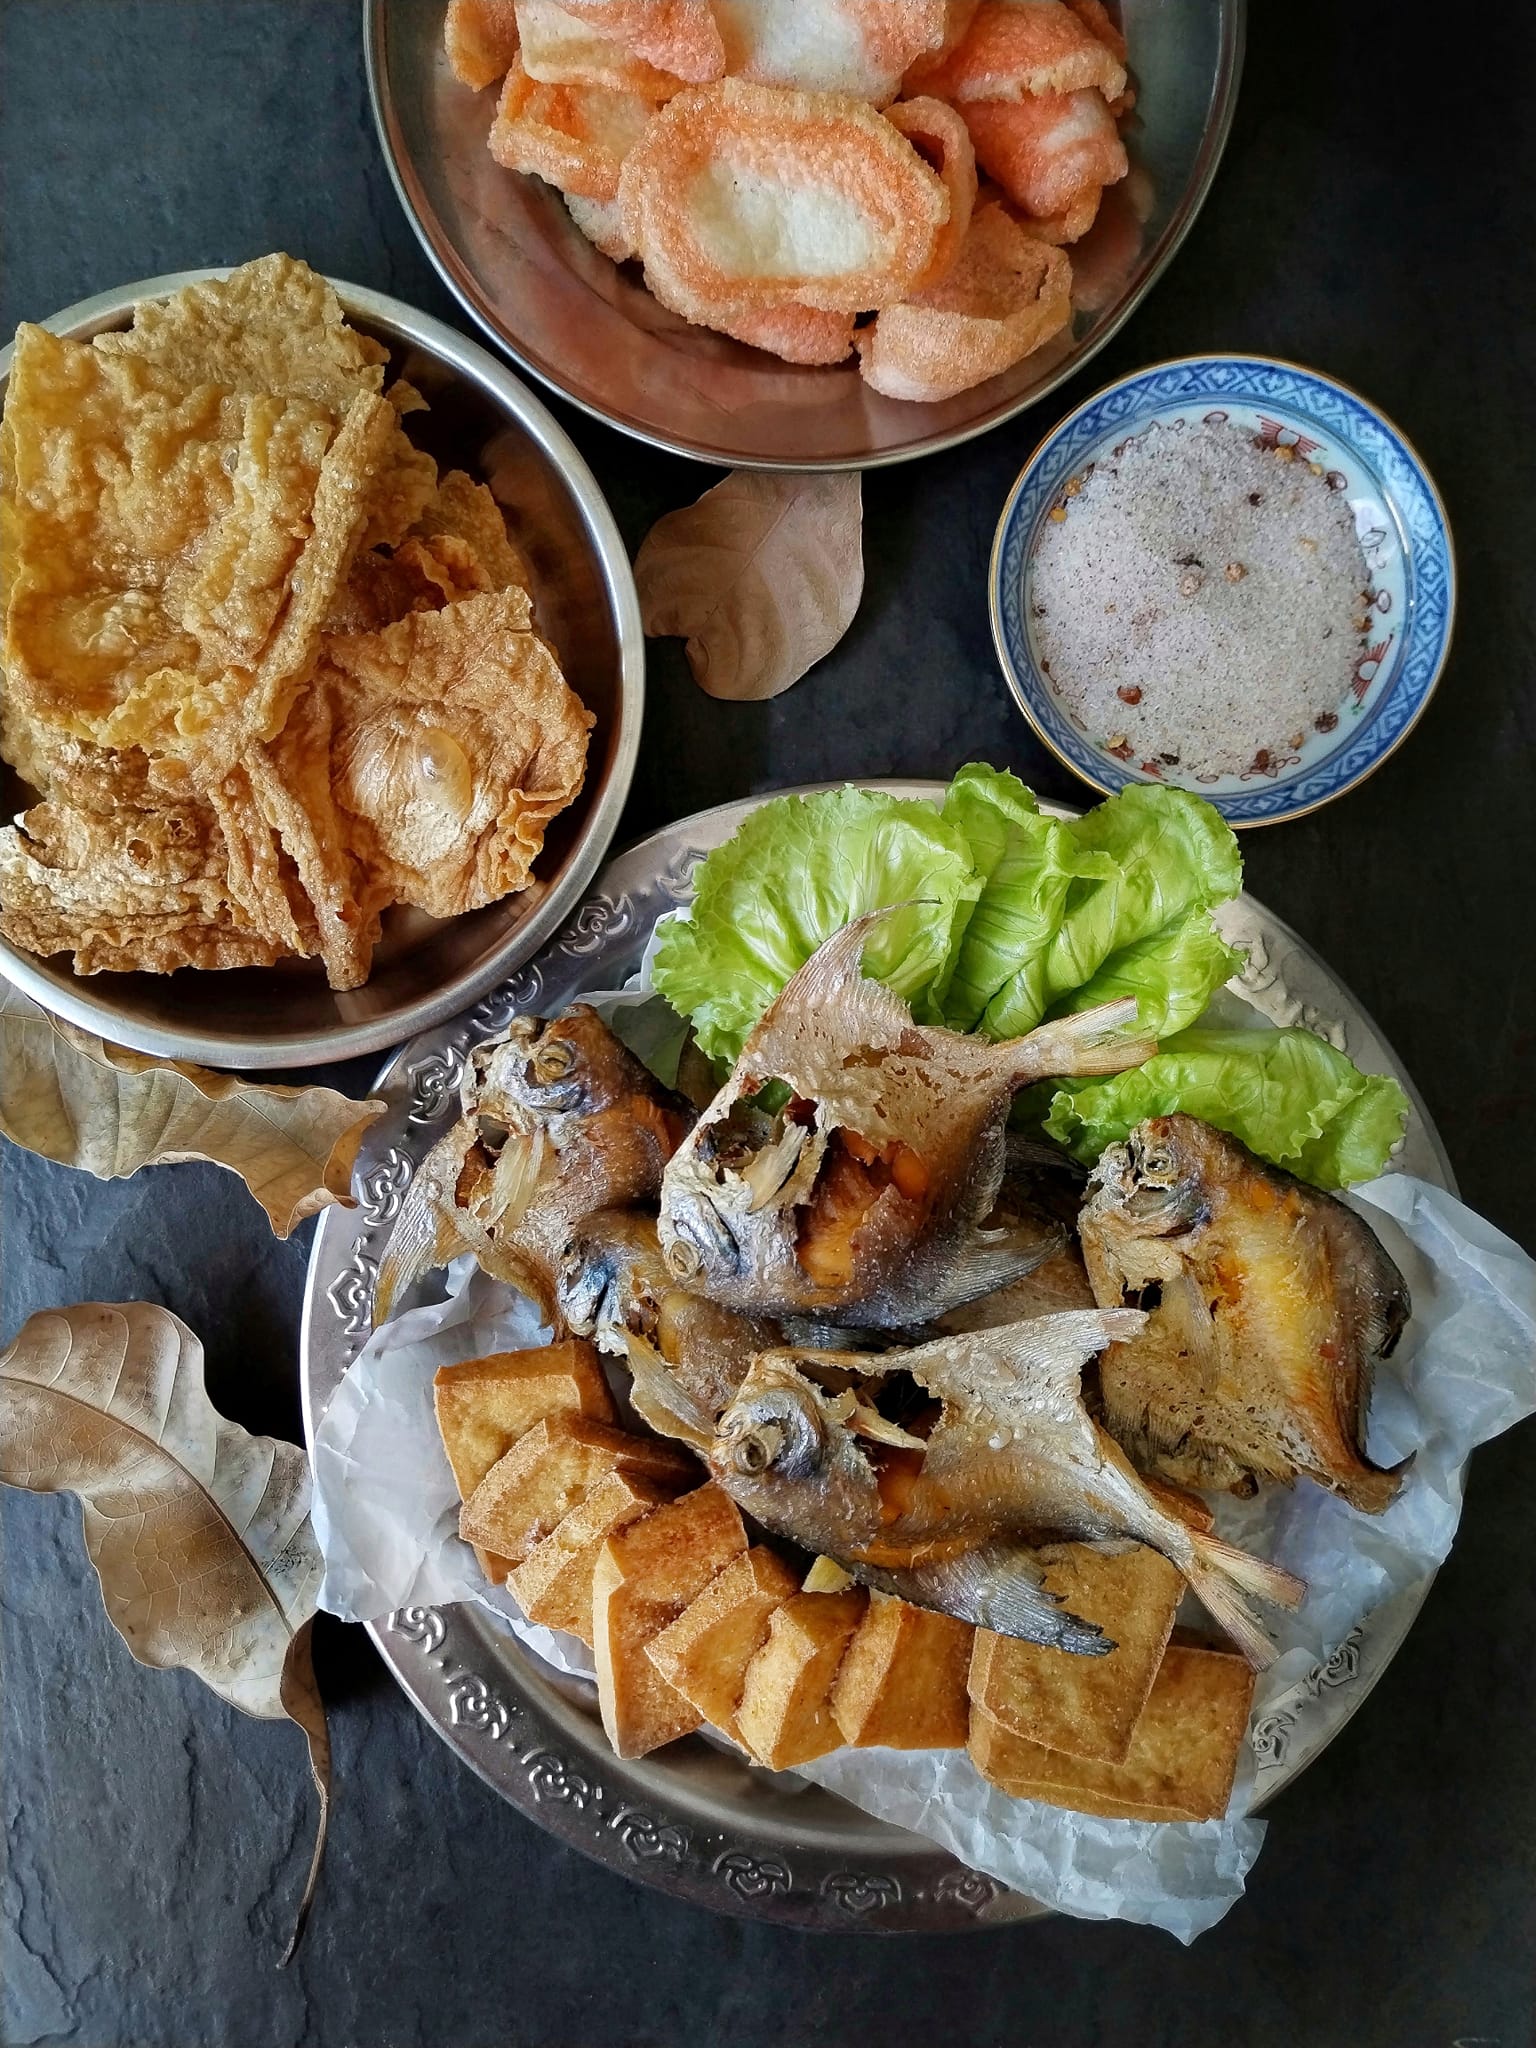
<point>486,1733</point>
<point>1233,43</point>
<point>73,1002</point>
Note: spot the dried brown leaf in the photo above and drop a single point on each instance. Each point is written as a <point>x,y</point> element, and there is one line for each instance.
<point>75,1099</point>
<point>762,577</point>
<point>199,1532</point>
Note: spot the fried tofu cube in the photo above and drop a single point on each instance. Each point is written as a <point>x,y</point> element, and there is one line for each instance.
<point>784,1718</point>
<point>1181,1762</point>
<point>552,1469</point>
<point>645,1575</point>
<point>704,1654</point>
<point>553,1584</point>
<point>1085,1706</point>
<point>901,1684</point>
<point>485,1404</point>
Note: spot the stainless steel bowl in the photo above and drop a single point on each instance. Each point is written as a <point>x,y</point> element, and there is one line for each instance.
<point>508,250</point>
<point>485,420</point>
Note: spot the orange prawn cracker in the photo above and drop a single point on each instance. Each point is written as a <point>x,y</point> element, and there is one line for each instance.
<point>1016,48</point>
<point>574,136</point>
<point>942,139</point>
<point>559,47</point>
<point>677,36</point>
<point>740,195</point>
<point>1050,153</point>
<point>1005,297</point>
<point>480,37</point>
<point>860,47</point>
<point>799,334</point>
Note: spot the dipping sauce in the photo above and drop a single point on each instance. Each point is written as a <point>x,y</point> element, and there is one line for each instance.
<point>1199,598</point>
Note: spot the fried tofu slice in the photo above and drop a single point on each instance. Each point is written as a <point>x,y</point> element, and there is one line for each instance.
<point>784,1717</point>
<point>551,1470</point>
<point>704,1654</point>
<point>480,37</point>
<point>645,1575</point>
<point>1085,1706</point>
<point>484,1405</point>
<point>553,1584</point>
<point>1182,1758</point>
<point>902,1683</point>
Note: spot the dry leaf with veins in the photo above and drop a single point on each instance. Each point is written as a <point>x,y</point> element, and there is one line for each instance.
<point>199,1533</point>
<point>75,1099</point>
<point>762,577</point>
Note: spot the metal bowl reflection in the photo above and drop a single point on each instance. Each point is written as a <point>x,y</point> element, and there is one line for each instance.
<point>485,420</point>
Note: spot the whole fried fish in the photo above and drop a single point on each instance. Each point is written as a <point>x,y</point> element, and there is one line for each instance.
<point>1269,1305</point>
<point>1014,1461</point>
<point>560,1120</point>
<point>614,1287</point>
<point>862,1197</point>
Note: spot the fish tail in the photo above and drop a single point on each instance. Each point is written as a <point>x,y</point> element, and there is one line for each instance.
<point>1222,1575</point>
<point>1000,1588</point>
<point>1089,1042</point>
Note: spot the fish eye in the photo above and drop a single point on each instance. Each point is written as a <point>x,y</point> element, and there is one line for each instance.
<point>755,1452</point>
<point>684,1259</point>
<point>552,1061</point>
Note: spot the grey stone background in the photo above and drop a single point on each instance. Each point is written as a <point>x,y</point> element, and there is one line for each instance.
<point>1375,216</point>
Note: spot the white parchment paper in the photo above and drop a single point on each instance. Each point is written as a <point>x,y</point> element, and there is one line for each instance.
<point>386,1514</point>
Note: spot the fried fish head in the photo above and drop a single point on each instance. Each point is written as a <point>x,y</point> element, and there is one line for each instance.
<point>739,195</point>
<point>1006,296</point>
<point>456,741</point>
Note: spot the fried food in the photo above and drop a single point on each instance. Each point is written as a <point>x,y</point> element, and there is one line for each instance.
<point>561,47</point>
<point>553,1584</point>
<point>677,36</point>
<point>704,1654</point>
<point>480,37</point>
<point>800,334</point>
<point>198,513</point>
<point>738,195</point>
<point>951,1520</point>
<point>942,139</point>
<point>1048,153</point>
<point>785,1717</point>
<point>602,222</point>
<point>646,1574</point>
<point>858,47</point>
<point>457,739</point>
<point>1269,1306</point>
<point>1181,1761</point>
<point>550,1470</point>
<point>862,1199</point>
<point>484,1405</point>
<point>1087,1706</point>
<point>1006,294</point>
<point>902,1681</point>
<point>574,136</point>
<point>1016,49</point>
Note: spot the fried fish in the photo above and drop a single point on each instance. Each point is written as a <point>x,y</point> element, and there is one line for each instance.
<point>862,1197</point>
<point>1269,1304</point>
<point>560,1120</point>
<point>1013,1461</point>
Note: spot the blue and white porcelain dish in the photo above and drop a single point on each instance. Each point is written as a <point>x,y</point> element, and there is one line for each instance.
<point>1404,536</point>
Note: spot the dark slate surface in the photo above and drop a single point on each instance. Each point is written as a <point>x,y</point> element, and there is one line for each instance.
<point>1375,217</point>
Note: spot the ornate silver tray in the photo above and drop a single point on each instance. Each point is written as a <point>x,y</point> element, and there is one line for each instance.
<point>691,1819</point>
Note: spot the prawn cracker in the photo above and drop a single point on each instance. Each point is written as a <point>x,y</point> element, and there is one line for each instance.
<point>1085,1706</point>
<point>1181,1762</point>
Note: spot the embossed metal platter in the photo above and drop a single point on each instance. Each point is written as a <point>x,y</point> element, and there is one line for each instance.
<point>691,1819</point>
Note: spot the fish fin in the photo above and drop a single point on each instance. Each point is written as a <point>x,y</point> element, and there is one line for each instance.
<point>515,1177</point>
<point>1221,1575</point>
<point>997,1588</point>
<point>429,1229</point>
<point>991,1259</point>
<point>992,1369</point>
<point>659,1399</point>
<point>868,1014</point>
<point>1088,1042</point>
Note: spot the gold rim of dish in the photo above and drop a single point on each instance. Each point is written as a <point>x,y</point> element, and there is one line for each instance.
<point>994,610</point>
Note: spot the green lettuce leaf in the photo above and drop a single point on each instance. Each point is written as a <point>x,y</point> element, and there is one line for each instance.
<point>795,872</point>
<point>1288,1096</point>
<point>1172,974</point>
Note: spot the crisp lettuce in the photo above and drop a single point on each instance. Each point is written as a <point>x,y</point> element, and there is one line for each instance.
<point>1288,1096</point>
<point>795,872</point>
